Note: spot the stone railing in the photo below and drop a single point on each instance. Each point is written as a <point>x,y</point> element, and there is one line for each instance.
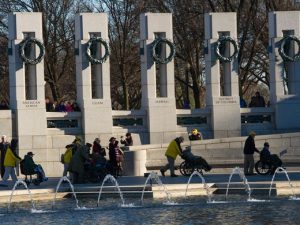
<point>187,119</point>
<point>133,121</point>
<point>68,122</point>
<point>259,119</point>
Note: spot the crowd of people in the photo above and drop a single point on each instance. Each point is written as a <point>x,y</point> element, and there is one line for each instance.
<point>62,106</point>
<point>84,162</point>
<point>87,162</point>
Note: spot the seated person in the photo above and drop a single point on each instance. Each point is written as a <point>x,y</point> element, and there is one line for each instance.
<point>195,135</point>
<point>197,160</point>
<point>31,168</point>
<point>266,156</point>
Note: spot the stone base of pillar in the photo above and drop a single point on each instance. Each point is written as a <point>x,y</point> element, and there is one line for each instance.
<point>287,112</point>
<point>226,117</point>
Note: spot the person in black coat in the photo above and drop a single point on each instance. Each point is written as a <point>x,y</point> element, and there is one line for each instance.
<point>3,146</point>
<point>249,149</point>
<point>128,140</point>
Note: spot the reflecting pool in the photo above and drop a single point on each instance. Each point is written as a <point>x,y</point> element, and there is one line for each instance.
<point>236,210</point>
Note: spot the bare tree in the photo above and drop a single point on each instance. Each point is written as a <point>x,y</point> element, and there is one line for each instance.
<point>124,45</point>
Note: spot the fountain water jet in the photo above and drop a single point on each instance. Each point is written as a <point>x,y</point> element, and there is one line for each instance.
<point>112,179</point>
<point>203,182</point>
<point>282,170</point>
<point>238,171</point>
<point>154,176</point>
<point>13,190</point>
<point>72,188</point>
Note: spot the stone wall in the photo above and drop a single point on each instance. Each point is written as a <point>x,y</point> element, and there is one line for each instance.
<point>6,125</point>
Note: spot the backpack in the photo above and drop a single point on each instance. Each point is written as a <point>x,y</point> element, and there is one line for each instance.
<point>62,158</point>
<point>22,166</point>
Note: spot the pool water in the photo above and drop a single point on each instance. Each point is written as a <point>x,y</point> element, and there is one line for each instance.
<point>182,211</point>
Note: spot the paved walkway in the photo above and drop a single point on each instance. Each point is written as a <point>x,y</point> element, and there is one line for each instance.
<point>139,181</point>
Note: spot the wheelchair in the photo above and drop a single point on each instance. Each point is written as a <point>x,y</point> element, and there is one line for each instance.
<point>192,163</point>
<point>263,167</point>
<point>267,166</point>
<point>28,176</point>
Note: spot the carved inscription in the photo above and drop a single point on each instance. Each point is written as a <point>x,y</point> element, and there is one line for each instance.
<point>161,101</point>
<point>97,103</point>
<point>31,103</point>
<point>226,100</point>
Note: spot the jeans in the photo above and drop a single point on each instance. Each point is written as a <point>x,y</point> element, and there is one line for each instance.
<point>10,171</point>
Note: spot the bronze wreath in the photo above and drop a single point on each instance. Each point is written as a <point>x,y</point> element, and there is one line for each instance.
<point>168,59</point>
<point>222,41</point>
<point>284,55</point>
<point>88,50</point>
<point>24,44</point>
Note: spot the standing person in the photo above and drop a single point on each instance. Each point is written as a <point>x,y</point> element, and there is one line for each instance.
<point>128,140</point>
<point>67,157</point>
<point>257,100</point>
<point>249,149</point>
<point>49,105</point>
<point>97,148</point>
<point>115,156</point>
<point>111,151</point>
<point>173,150</point>
<point>10,161</point>
<point>3,146</point>
<point>76,165</point>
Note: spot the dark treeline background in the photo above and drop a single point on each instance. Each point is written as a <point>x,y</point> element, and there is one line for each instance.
<point>188,26</point>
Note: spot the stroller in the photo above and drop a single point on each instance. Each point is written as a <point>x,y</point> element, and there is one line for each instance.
<point>192,163</point>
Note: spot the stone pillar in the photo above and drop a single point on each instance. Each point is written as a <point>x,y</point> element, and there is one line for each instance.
<point>286,102</point>
<point>161,109</point>
<point>225,109</point>
<point>30,112</point>
<point>96,112</point>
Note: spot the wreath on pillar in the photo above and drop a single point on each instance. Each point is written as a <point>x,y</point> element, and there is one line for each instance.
<point>221,43</point>
<point>24,44</point>
<point>89,50</point>
<point>285,55</point>
<point>156,56</point>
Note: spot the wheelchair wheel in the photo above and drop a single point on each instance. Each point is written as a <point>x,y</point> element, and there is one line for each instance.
<point>182,168</point>
<point>262,168</point>
<point>188,169</point>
